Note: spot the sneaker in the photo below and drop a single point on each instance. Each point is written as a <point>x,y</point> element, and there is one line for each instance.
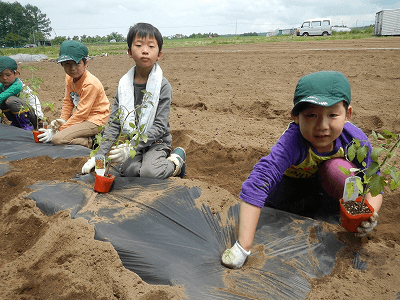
<point>178,157</point>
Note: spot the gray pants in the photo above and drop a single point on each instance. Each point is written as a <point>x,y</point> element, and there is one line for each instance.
<point>150,162</point>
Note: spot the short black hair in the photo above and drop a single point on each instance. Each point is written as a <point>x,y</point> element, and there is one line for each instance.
<point>143,30</point>
<point>302,106</point>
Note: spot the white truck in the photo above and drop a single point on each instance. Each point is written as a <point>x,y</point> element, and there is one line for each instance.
<point>320,26</point>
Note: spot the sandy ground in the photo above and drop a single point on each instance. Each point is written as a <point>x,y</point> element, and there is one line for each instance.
<point>230,105</point>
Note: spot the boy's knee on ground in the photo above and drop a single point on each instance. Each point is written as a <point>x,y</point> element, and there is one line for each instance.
<point>130,169</point>
<point>332,179</point>
<point>157,172</point>
<point>57,140</point>
<point>13,103</point>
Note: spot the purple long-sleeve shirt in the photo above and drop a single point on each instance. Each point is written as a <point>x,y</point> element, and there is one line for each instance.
<point>294,156</point>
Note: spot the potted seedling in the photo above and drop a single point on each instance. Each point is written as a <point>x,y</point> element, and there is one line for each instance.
<point>104,179</point>
<point>32,100</point>
<point>382,171</point>
<point>28,107</point>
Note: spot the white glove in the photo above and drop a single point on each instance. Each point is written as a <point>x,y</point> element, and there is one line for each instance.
<point>55,124</point>
<point>89,165</point>
<point>235,257</point>
<point>367,226</point>
<point>47,135</point>
<point>120,153</point>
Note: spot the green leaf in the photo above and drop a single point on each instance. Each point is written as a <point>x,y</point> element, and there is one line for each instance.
<point>344,170</point>
<point>376,152</point>
<point>380,136</point>
<point>388,134</point>
<point>132,153</point>
<point>376,184</point>
<point>351,152</point>
<point>360,185</point>
<point>395,174</point>
<point>94,151</point>
<point>372,169</point>
<point>394,184</point>
<point>362,153</point>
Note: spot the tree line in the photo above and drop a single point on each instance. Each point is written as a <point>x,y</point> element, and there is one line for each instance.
<point>21,25</point>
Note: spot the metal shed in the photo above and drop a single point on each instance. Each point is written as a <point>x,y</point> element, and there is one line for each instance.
<point>387,22</point>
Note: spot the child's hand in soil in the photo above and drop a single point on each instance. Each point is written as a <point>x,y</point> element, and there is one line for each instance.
<point>235,257</point>
<point>89,165</point>
<point>367,226</point>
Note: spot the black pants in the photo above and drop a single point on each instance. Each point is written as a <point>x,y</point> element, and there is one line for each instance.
<point>304,197</point>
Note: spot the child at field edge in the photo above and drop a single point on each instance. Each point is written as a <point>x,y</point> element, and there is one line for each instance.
<point>301,174</point>
<point>152,159</point>
<point>85,106</point>
<point>14,95</point>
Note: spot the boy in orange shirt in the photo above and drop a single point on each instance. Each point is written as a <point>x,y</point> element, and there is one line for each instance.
<point>85,107</point>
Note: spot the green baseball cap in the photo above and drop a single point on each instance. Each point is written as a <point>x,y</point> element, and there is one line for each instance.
<point>324,88</point>
<point>72,50</point>
<point>7,63</point>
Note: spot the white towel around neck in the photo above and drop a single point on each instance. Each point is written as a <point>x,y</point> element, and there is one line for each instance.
<point>126,97</point>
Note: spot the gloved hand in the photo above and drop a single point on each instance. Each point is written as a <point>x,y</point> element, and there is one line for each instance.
<point>47,135</point>
<point>55,124</point>
<point>89,165</point>
<point>235,257</point>
<point>120,153</point>
<point>367,226</point>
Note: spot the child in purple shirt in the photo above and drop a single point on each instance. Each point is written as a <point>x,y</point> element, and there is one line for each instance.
<point>301,174</point>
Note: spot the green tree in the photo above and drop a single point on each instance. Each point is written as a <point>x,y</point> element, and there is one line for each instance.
<point>115,36</point>
<point>58,40</point>
<point>27,22</point>
<point>13,40</point>
<point>38,22</point>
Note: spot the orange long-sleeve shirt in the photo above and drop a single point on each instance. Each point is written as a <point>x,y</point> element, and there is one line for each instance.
<point>88,97</point>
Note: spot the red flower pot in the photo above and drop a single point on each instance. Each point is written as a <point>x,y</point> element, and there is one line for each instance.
<point>103,183</point>
<point>35,135</point>
<point>351,222</point>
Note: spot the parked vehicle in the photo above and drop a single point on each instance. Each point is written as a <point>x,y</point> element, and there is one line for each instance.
<point>342,28</point>
<point>30,46</point>
<point>387,22</point>
<point>321,26</point>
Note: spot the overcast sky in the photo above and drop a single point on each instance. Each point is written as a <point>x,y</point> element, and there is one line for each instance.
<point>102,17</point>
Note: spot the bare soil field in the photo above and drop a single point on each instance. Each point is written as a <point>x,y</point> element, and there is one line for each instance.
<point>230,105</point>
